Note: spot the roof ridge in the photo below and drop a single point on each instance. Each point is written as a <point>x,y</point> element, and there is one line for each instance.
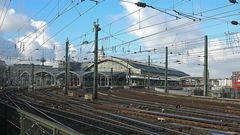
<point>143,63</point>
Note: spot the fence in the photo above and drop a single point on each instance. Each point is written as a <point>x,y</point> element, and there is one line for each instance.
<point>18,122</point>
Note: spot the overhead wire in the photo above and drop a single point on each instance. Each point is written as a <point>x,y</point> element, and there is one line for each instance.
<point>177,44</point>
<point>219,43</point>
<point>143,37</point>
<point>4,15</point>
<point>2,11</point>
<point>203,11</point>
<point>43,25</point>
<point>67,25</point>
<point>114,21</point>
<point>153,2</point>
<point>35,15</point>
<point>209,10</point>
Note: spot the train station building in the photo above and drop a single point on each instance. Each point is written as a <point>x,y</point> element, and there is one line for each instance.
<point>113,71</point>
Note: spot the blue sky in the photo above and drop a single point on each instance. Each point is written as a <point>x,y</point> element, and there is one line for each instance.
<point>105,12</point>
<point>82,25</point>
<point>214,23</point>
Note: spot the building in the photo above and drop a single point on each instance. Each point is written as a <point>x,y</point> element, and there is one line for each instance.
<point>112,72</point>
<point>236,80</point>
<point>226,82</point>
<point>40,75</point>
<point>236,83</point>
<point>115,71</point>
<point>3,68</point>
<point>3,63</point>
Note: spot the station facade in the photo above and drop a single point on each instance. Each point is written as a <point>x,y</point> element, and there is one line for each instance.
<point>115,71</point>
<point>112,71</point>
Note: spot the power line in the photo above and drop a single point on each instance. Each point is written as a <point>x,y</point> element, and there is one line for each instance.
<point>41,26</point>
<point>67,25</point>
<point>183,12</point>
<point>112,22</point>
<point>156,24</point>
<point>48,23</point>
<point>36,14</point>
<point>153,34</point>
<point>123,41</point>
<point>213,43</point>
<point>4,16</point>
<point>2,12</point>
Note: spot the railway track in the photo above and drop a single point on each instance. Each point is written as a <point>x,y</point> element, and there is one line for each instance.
<point>91,122</point>
<point>119,113</point>
<point>183,115</point>
<point>81,107</point>
<point>218,105</point>
<point>172,109</point>
<point>187,116</point>
<point>125,121</point>
<point>169,100</point>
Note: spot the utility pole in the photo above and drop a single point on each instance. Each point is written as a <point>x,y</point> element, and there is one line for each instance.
<point>18,78</point>
<point>148,72</point>
<point>33,89</point>
<point>128,74</point>
<point>129,77</point>
<point>111,77</point>
<point>66,68</point>
<point>205,73</point>
<point>95,81</point>
<point>4,79</point>
<point>166,71</point>
<point>8,76</point>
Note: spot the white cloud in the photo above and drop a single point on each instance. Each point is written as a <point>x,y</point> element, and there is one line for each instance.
<point>165,35</point>
<point>220,64</point>
<point>33,43</point>
<point>14,21</point>
<point>38,45</point>
<point>7,48</point>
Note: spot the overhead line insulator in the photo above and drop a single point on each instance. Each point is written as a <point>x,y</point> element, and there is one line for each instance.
<point>141,4</point>
<point>233,1</point>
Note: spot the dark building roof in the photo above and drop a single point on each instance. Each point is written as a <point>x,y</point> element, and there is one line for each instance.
<point>153,69</point>
<point>75,66</point>
<point>2,63</point>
